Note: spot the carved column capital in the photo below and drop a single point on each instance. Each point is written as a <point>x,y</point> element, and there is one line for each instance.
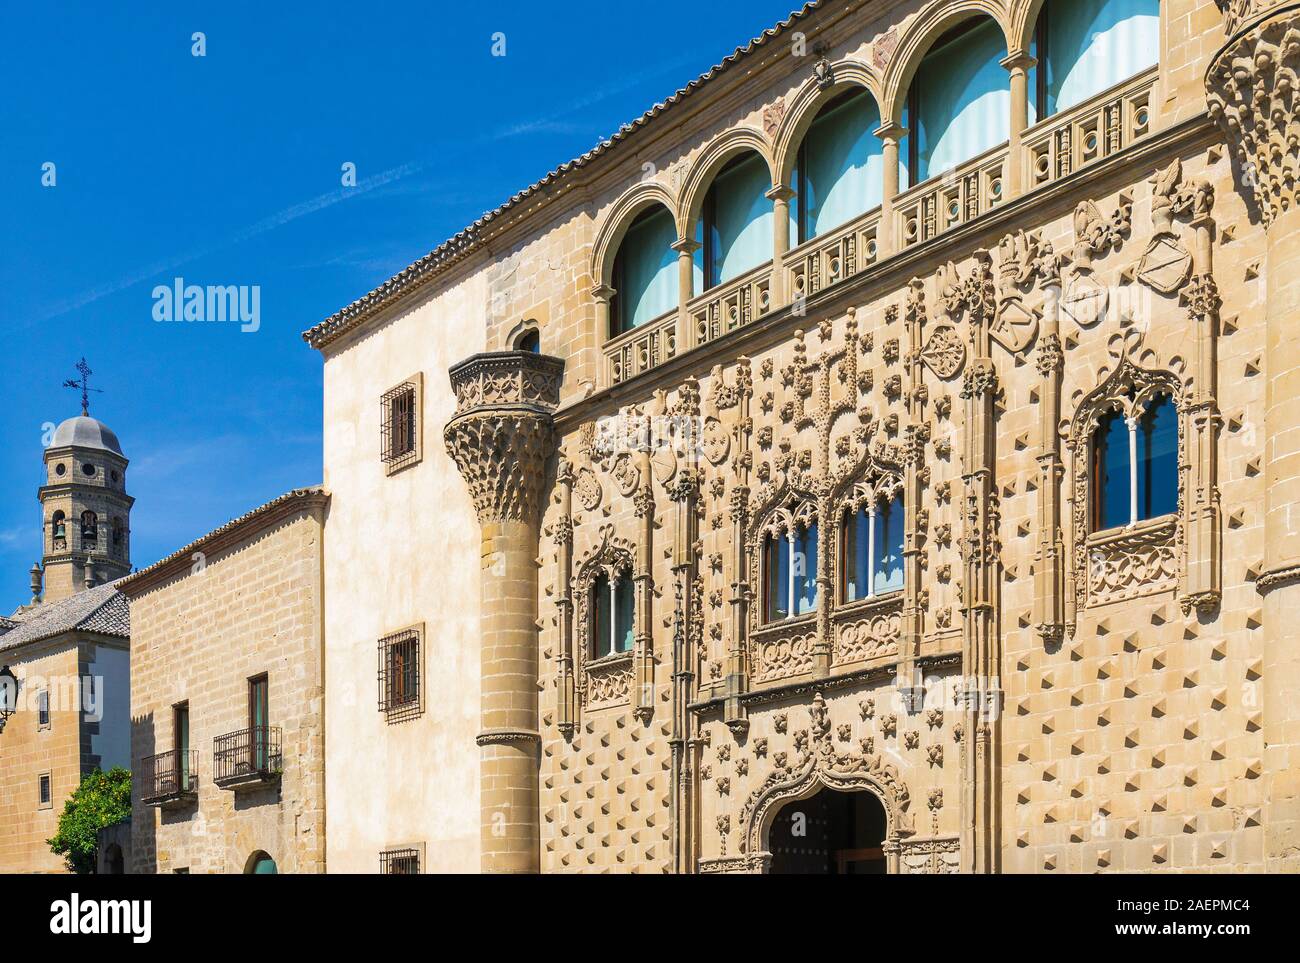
<point>501,435</point>
<point>1251,91</point>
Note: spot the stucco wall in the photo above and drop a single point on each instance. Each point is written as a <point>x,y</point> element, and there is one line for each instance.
<point>400,550</point>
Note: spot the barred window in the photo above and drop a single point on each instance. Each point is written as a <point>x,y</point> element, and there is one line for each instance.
<point>399,862</point>
<point>399,431</point>
<point>399,675</point>
<point>46,795</point>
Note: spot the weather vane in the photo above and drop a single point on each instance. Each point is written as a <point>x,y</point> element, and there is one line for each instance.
<point>84,385</point>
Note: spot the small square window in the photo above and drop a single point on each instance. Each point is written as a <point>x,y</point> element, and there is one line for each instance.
<point>45,792</point>
<point>400,862</point>
<point>400,424</point>
<point>399,675</point>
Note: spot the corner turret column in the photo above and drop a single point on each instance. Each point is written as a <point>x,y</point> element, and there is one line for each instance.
<point>1250,86</point>
<point>501,439</point>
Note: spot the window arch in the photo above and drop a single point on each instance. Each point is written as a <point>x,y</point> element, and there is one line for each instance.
<point>789,548</point>
<point>613,606</point>
<point>1135,462</point>
<point>871,556</point>
<point>645,271</point>
<point>839,171</point>
<point>959,101</point>
<point>530,340</point>
<point>734,230</point>
<point>1086,46</point>
<point>89,529</point>
<point>59,529</point>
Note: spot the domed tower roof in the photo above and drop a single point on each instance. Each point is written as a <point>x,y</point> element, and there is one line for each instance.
<point>86,432</point>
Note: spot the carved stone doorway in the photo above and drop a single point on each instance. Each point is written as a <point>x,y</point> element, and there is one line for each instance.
<point>830,833</point>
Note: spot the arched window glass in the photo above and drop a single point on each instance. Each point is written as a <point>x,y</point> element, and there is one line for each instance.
<point>873,551</point>
<point>804,565</point>
<point>1135,465</point>
<point>645,272</point>
<point>1157,450</point>
<point>776,578</point>
<point>840,172</point>
<point>1112,472</point>
<point>1087,46</point>
<point>959,104</point>
<point>735,227</point>
<point>887,566</point>
<point>613,625</point>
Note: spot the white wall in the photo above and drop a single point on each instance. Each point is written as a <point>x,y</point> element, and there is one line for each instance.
<point>400,550</point>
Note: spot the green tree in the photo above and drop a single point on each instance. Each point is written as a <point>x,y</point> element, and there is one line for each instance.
<point>102,799</point>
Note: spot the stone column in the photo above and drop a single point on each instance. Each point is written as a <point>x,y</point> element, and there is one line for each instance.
<point>1251,93</point>
<point>501,439</point>
<point>887,233</point>
<point>780,196</point>
<point>1018,65</point>
<point>685,292</point>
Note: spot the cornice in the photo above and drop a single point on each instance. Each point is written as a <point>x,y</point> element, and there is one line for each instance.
<point>232,533</point>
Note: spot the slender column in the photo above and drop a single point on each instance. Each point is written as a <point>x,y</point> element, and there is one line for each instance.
<point>566,695</point>
<point>685,292</point>
<point>737,679</point>
<point>644,658</point>
<point>601,296</point>
<point>1049,573</point>
<point>501,439</point>
<point>1018,65</point>
<point>1251,93</point>
<point>780,196</point>
<point>887,234</point>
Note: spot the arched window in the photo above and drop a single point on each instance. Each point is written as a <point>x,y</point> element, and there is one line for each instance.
<point>790,573</point>
<point>959,104</point>
<point>1086,46</point>
<point>89,529</point>
<point>645,272</point>
<point>530,341</point>
<point>260,864</point>
<point>839,172</point>
<point>735,227</point>
<point>872,557</point>
<point>614,606</point>
<point>59,529</point>
<point>1135,465</point>
<point>117,534</point>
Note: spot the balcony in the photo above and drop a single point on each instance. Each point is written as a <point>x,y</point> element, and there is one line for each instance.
<point>833,257</point>
<point>249,758</point>
<point>642,348</point>
<point>952,199</point>
<point>731,305</point>
<point>168,778</point>
<point>1097,128</point>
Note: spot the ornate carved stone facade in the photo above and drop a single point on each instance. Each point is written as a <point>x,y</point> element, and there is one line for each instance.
<point>1039,695</point>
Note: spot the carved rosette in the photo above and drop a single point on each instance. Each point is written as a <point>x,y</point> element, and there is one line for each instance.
<point>1251,89</point>
<point>501,436</point>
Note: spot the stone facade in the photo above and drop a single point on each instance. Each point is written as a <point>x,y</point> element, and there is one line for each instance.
<point>241,603</point>
<point>1039,696</point>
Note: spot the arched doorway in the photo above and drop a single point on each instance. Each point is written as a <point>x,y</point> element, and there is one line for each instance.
<point>113,861</point>
<point>260,864</point>
<point>830,833</point>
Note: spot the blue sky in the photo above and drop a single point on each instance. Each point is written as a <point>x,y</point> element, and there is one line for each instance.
<point>225,170</point>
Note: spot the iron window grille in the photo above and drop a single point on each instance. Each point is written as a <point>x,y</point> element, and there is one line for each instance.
<point>45,790</point>
<point>397,416</point>
<point>399,862</point>
<point>399,675</point>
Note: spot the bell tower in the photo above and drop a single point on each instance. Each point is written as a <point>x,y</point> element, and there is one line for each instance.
<point>85,509</point>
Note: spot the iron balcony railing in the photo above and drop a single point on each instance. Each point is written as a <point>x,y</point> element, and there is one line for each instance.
<point>249,755</point>
<point>168,776</point>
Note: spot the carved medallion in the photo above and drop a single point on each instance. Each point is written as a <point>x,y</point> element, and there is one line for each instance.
<point>772,115</point>
<point>587,487</point>
<point>945,352</point>
<point>1166,265</point>
<point>1014,326</point>
<point>1085,300</point>
<point>716,443</point>
<point>626,474</point>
